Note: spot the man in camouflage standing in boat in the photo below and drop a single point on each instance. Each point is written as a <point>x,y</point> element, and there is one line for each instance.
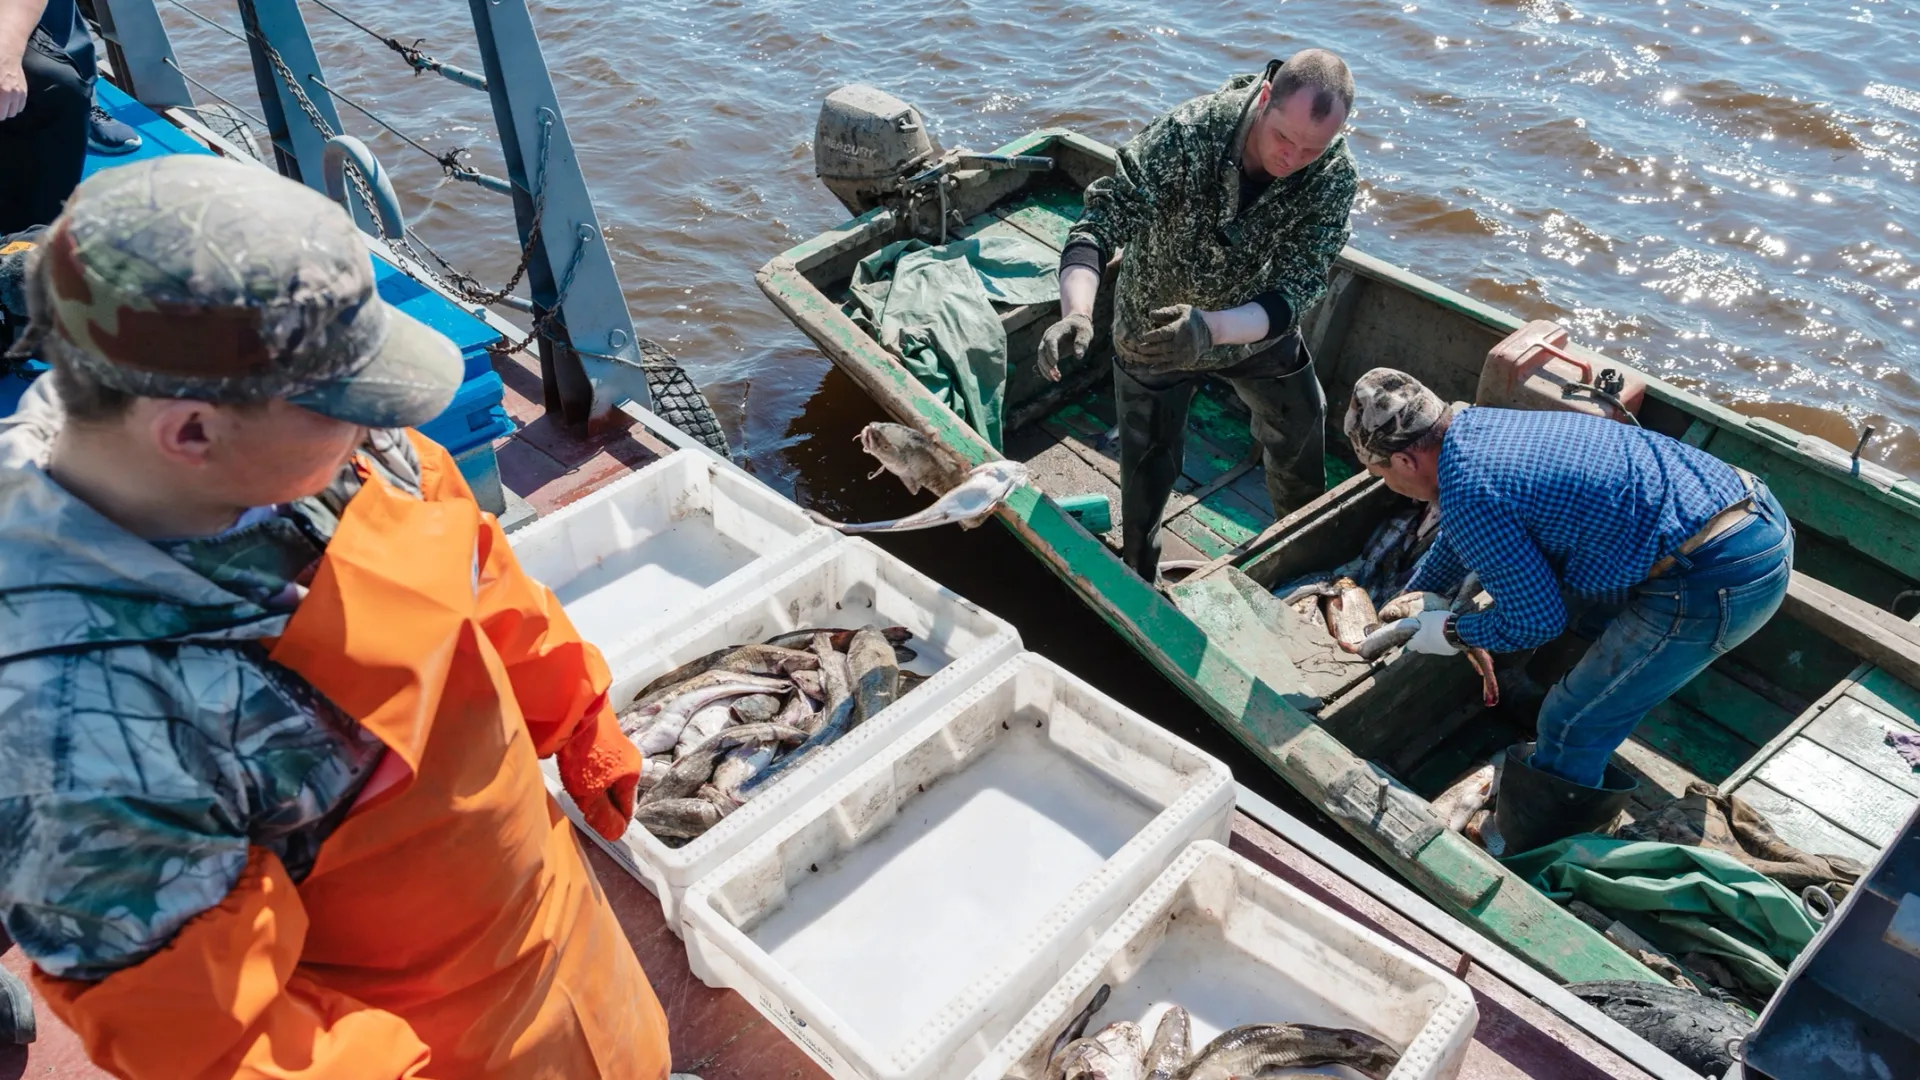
<point>1226,213</point>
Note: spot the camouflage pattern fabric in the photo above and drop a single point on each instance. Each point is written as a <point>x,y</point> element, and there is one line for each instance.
<point>1173,202</point>
<point>191,276</point>
<point>1389,412</point>
<point>149,741</point>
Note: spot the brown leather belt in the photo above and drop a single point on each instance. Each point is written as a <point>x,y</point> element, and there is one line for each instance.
<point>1716,526</point>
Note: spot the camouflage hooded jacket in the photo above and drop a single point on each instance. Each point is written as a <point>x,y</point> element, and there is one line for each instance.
<point>1173,202</point>
<point>148,739</point>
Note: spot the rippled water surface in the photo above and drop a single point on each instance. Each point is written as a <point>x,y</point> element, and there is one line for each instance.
<point>1721,192</point>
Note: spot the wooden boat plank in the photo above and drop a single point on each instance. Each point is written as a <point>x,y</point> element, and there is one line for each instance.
<point>1661,778</point>
<point>1857,732</point>
<point>1796,658</point>
<point>1838,790</point>
<point>1230,523</point>
<point>1733,706</point>
<point>1887,694</point>
<point>1802,826</point>
<point>1825,502</point>
<point>1048,224</point>
<point>1205,461</point>
<point>1217,416</point>
<point>1083,423</point>
<point>1693,741</point>
<point>1209,543</point>
<point>1869,632</point>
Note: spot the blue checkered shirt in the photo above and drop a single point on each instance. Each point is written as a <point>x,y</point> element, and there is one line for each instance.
<point>1532,501</point>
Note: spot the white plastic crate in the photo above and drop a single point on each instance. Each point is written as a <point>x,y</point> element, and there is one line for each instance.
<point>1235,945</point>
<point>644,556</point>
<point>901,923</point>
<point>851,585</point>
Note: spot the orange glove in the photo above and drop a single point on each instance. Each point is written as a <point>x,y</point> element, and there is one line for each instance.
<point>600,768</point>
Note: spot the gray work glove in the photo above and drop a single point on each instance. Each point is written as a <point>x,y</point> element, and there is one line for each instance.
<point>1075,332</point>
<point>1179,337</point>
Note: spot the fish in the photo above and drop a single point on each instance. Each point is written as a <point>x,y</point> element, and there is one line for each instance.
<point>1482,662</point>
<point>838,715</point>
<point>810,684</point>
<point>803,639</point>
<point>659,699</point>
<point>1172,1039</point>
<point>969,504</point>
<point>756,708</point>
<point>904,655</point>
<point>1387,636</point>
<point>1117,1052</point>
<point>652,769</point>
<point>745,659</point>
<point>1077,1026</point>
<point>702,726</point>
<point>739,765</point>
<point>874,675</point>
<point>695,767</point>
<point>918,461</point>
<point>798,712</point>
<point>678,819</point>
<point>1385,550</point>
<point>1312,587</point>
<point>1261,1050</point>
<point>1350,614</point>
<point>910,681</point>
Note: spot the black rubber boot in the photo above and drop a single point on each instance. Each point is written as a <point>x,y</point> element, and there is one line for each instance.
<point>16,1010</point>
<point>1153,435</point>
<point>1533,808</point>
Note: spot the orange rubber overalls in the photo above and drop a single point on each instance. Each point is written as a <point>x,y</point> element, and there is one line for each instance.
<point>451,926</point>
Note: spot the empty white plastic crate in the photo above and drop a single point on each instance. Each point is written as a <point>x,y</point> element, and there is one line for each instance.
<point>901,923</point>
<point>1235,945</point>
<point>644,556</point>
<point>850,585</point>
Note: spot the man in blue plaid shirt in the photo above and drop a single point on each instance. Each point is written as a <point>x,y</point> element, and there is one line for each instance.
<point>1689,554</point>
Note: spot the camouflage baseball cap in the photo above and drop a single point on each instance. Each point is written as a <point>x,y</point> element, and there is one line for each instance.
<point>195,277</point>
<point>1389,412</point>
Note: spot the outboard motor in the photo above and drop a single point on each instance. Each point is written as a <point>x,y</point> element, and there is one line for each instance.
<point>867,141</point>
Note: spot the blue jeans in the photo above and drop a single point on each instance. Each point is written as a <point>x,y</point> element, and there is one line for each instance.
<point>1670,629</point>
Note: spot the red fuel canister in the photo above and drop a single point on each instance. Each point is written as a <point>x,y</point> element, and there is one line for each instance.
<point>1533,369</point>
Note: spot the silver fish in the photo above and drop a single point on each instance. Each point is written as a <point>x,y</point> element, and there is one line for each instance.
<point>678,819</point>
<point>837,716</point>
<point>740,764</point>
<point>1116,1052</point>
<point>695,767</point>
<point>1263,1049</point>
<point>652,769</point>
<point>875,675</point>
<point>1387,636</point>
<point>967,505</point>
<point>756,708</point>
<point>704,725</point>
<point>918,461</point>
<point>1350,614</point>
<point>810,684</point>
<point>661,699</point>
<point>672,715</point>
<point>1172,1039</point>
<point>799,712</point>
<point>742,659</point>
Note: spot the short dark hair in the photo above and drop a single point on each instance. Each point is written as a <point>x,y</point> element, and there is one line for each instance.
<point>1319,71</point>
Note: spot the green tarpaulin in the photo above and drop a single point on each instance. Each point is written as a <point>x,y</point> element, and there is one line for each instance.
<point>1682,899</point>
<point>933,308</point>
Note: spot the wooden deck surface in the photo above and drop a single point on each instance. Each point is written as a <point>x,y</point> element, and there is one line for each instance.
<point>718,1036</point>
<point>1829,783</point>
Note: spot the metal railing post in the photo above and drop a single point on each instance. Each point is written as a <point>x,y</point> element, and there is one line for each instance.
<point>142,53</point>
<point>589,359</point>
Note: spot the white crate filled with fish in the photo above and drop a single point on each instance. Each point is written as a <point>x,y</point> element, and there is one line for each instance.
<point>632,562</point>
<point>1221,969</point>
<point>767,701</point>
<point>900,924</point>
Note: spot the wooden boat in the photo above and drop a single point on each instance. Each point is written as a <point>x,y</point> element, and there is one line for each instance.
<point>1793,720</point>
<point>1531,1028</point>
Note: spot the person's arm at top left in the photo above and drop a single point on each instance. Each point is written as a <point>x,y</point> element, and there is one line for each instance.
<point>17,20</point>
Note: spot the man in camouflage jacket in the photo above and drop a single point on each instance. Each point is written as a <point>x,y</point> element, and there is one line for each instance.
<point>1227,213</point>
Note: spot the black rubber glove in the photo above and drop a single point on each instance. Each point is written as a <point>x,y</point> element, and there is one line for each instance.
<point>1075,332</point>
<point>1178,339</point>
